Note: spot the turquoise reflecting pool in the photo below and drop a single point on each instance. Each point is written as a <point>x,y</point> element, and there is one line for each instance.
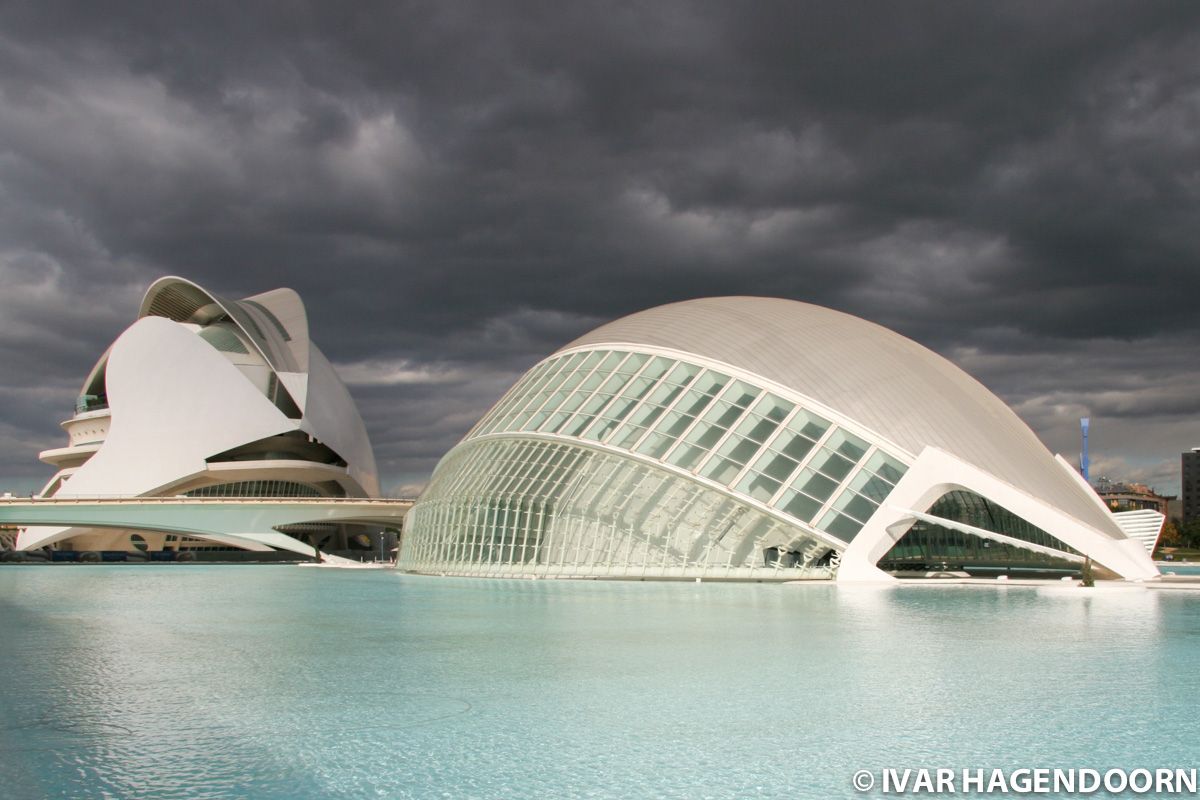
<point>280,682</point>
<point>1180,568</point>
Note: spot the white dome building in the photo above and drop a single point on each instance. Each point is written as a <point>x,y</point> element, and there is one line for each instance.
<point>208,397</point>
<point>754,438</point>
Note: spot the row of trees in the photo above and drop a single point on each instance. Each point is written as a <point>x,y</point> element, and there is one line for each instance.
<point>1177,534</point>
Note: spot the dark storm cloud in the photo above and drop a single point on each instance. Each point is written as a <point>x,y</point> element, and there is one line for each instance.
<point>458,189</point>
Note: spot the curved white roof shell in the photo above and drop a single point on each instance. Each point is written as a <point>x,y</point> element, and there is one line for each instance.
<point>900,390</point>
<point>197,377</point>
<point>276,324</point>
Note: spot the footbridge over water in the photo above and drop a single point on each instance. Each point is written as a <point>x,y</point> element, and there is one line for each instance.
<point>249,523</point>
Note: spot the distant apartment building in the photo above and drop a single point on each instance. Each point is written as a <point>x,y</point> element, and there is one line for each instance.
<point>1191,484</point>
<point>1120,496</point>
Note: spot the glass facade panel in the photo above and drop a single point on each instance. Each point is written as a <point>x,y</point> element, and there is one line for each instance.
<point>627,436</point>
<point>703,421</point>
<point>840,526</point>
<point>656,445</point>
<point>793,445</point>
<point>758,486</point>
<point>539,508</point>
<point>723,414</point>
<point>773,408</point>
<point>871,486</point>
<point>256,489</point>
<point>776,466</point>
<point>591,382</point>
<point>687,456</point>
<point>633,364</point>
<point>739,449</point>
<point>887,468</point>
<point>855,505</point>
<point>814,485</point>
<point>799,505</point>
<point>741,394</point>
<point>674,424</point>
<point>711,383</point>
<point>657,367</point>
<point>831,464</point>
<point>757,428</point>
<point>693,402</point>
<point>847,444</point>
<point>610,362</point>
<point>721,470</point>
<point>809,424</point>
<point>930,546</point>
<point>683,374</point>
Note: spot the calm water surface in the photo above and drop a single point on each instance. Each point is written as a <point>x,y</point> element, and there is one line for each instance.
<point>278,682</point>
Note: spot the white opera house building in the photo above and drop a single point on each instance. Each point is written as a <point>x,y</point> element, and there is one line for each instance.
<point>208,397</point>
<point>746,438</point>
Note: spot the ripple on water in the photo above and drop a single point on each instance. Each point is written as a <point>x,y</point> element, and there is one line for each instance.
<point>274,682</point>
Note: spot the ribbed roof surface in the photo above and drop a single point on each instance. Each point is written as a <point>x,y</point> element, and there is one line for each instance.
<point>887,383</point>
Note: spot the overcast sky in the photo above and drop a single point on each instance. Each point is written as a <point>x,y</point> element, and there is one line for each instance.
<point>456,190</point>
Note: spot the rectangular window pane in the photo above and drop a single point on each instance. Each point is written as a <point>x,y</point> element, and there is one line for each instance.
<point>840,526</point>
<point>756,428</point>
<point>600,428</point>
<point>674,424</point>
<point>711,382</point>
<point>557,380</point>
<point>664,394</point>
<point>595,403</point>
<point>886,467</point>
<point>757,486</point>
<point>832,464</point>
<point>632,364</point>
<point>775,466</point>
<point>705,435</point>
<point>615,383</point>
<point>610,362</point>
<point>655,445</point>
<point>591,382</point>
<point>687,455</point>
<point>645,415</point>
<point>573,402</point>
<point>723,414</point>
<point>627,435</point>
<point>741,394</point>
<point>575,425</point>
<point>683,374</point>
<point>773,408</point>
<point>809,424</point>
<point>868,484</point>
<point>855,506</point>
<point>721,470</point>
<point>693,402</point>
<point>571,382</point>
<point>847,444</point>
<point>814,485</point>
<point>620,408</point>
<point>798,505</point>
<point>555,400</point>
<point>739,449</point>
<point>593,358</point>
<point>793,445</point>
<point>534,421</point>
<point>657,368</point>
<point>637,387</point>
